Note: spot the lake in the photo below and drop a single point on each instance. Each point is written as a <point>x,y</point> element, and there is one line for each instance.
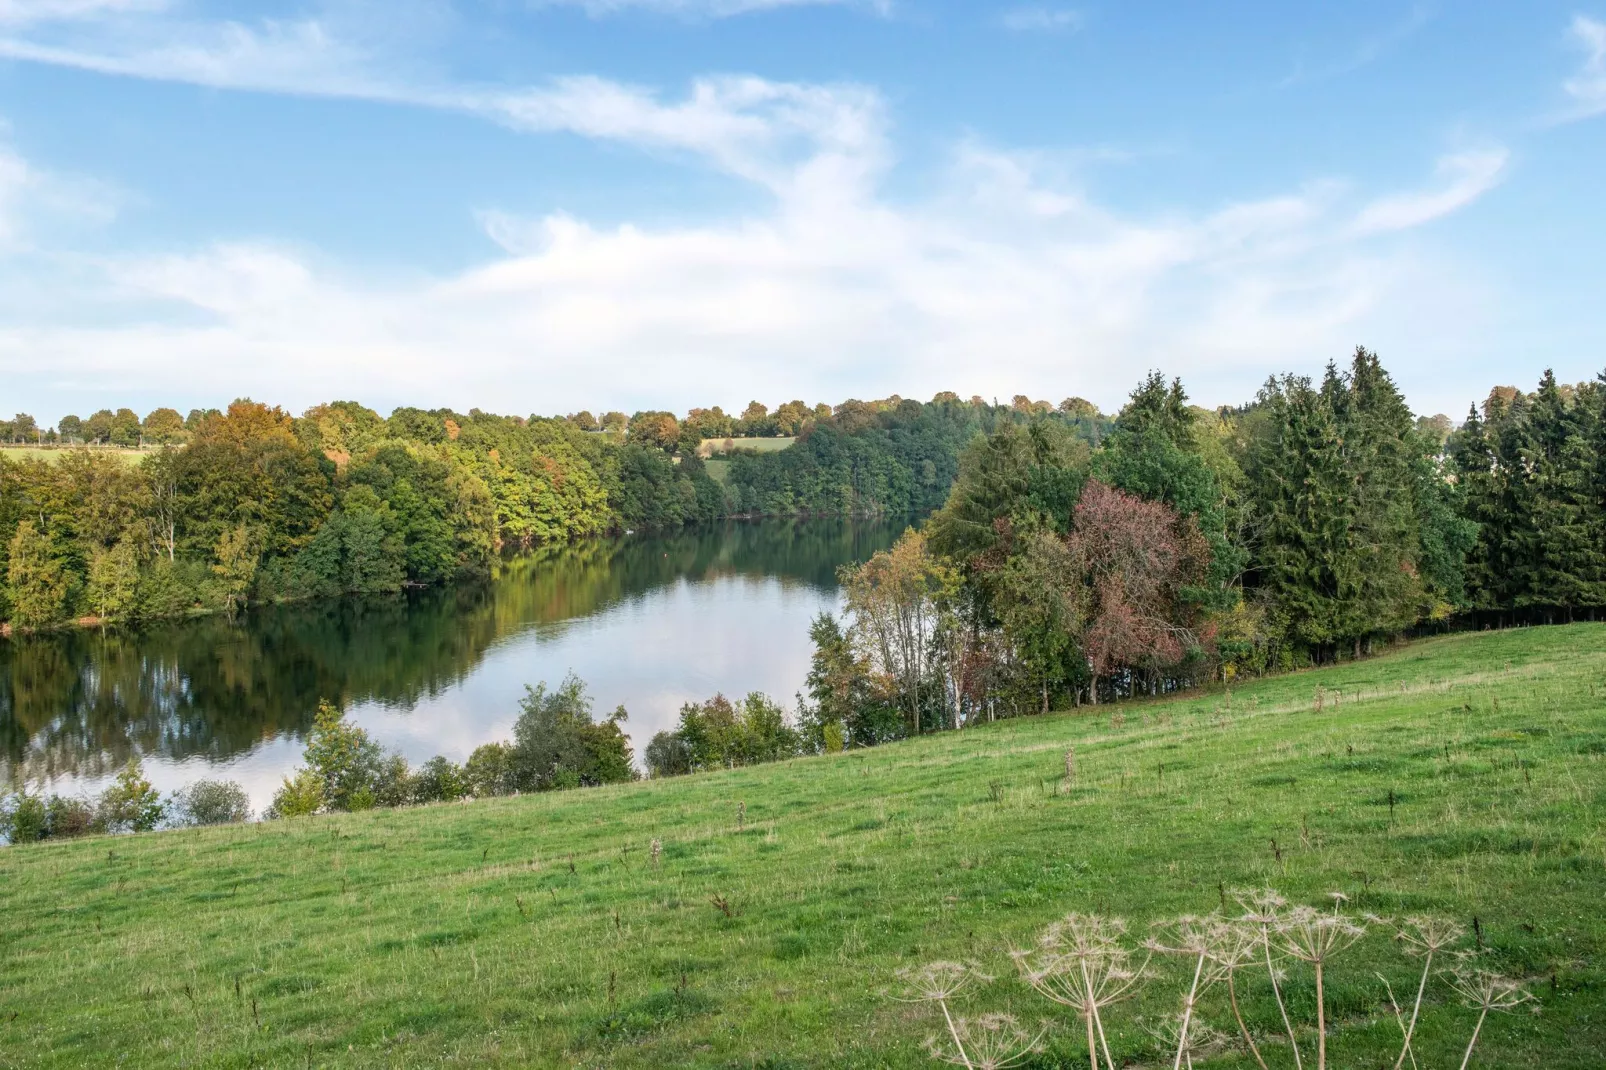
<point>648,621</point>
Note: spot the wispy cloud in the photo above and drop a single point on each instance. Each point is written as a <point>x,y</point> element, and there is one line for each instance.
<point>707,9</point>
<point>1366,53</point>
<point>1587,88</point>
<point>1464,177</point>
<point>35,202</point>
<point>1041,19</point>
<point>834,280</point>
<point>23,12</point>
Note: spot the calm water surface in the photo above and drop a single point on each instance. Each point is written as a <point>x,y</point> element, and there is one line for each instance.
<point>649,622</point>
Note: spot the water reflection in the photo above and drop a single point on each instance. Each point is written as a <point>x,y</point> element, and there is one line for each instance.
<point>648,621</point>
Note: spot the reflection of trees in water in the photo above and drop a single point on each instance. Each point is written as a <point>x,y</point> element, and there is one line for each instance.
<point>79,703</point>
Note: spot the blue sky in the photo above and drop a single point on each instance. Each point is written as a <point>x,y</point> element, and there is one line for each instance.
<point>544,205</point>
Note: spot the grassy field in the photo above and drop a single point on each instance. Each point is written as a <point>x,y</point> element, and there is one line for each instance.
<point>23,453</point>
<point>712,446</point>
<point>1464,776</point>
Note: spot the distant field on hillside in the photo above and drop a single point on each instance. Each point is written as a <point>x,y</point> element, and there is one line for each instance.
<point>1462,776</point>
<point>18,453</point>
<point>711,446</point>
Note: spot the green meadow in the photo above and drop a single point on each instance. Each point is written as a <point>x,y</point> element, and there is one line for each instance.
<point>756,445</point>
<point>53,454</point>
<point>1463,776</point>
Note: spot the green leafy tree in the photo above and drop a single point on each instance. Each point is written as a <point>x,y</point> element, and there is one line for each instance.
<point>131,804</point>
<point>489,771</point>
<point>126,429</point>
<point>37,584</point>
<point>164,427</point>
<point>556,743</point>
<point>235,566</point>
<point>113,580</point>
<point>300,795</point>
<point>344,759</point>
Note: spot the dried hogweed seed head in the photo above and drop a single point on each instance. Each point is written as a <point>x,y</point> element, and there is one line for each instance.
<point>990,1042</point>
<point>1486,990</point>
<point>1426,934</point>
<point>937,981</point>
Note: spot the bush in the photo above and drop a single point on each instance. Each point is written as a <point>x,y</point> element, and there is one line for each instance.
<point>392,784</point>
<point>439,780</point>
<point>557,745</point>
<point>23,818</point>
<point>720,733</point>
<point>489,771</point>
<point>69,816</point>
<point>668,755</point>
<point>209,802</point>
<point>130,804</point>
<point>351,766</point>
<point>298,796</point>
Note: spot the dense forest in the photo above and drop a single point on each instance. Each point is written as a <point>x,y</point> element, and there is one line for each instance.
<point>1307,526</point>
<point>252,504</point>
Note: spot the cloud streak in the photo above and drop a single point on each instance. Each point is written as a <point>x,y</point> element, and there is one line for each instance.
<point>707,9</point>
<point>1464,178</point>
<point>1041,19</point>
<point>1587,88</point>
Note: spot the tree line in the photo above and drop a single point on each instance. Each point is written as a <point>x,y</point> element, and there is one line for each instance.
<point>250,504</point>
<point>1306,526</point>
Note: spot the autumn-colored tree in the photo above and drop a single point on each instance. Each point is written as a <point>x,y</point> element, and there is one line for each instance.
<point>659,429</point>
<point>164,427</point>
<point>900,603</point>
<point>1138,559</point>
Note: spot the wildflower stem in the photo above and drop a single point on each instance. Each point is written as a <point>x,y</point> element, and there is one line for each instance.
<point>1276,990</point>
<point>1092,1011</point>
<point>1187,1016</point>
<point>1410,1029</point>
<point>1232,996</point>
<point>953,1032</point>
<point>1467,1058</point>
<point>1321,1021</point>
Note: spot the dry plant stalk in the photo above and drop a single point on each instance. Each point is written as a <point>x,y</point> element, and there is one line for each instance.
<point>1081,962</point>
<point>1487,992</point>
<point>1315,936</point>
<point>1085,962</point>
<point>1196,939</point>
<point>1263,911</point>
<point>1422,937</point>
<point>990,1042</point>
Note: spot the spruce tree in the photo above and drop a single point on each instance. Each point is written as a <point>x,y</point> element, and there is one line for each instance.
<point>1380,452</point>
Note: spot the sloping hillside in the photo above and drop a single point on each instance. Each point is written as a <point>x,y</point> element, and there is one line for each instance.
<point>1464,776</point>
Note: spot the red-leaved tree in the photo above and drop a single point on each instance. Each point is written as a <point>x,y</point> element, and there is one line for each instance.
<point>1138,559</point>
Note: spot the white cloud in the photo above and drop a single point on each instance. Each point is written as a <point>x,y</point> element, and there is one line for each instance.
<point>707,8</point>
<point>295,57</point>
<point>1000,283</point>
<point>1465,176</point>
<point>1041,19</point>
<point>1588,87</point>
<point>19,12</point>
